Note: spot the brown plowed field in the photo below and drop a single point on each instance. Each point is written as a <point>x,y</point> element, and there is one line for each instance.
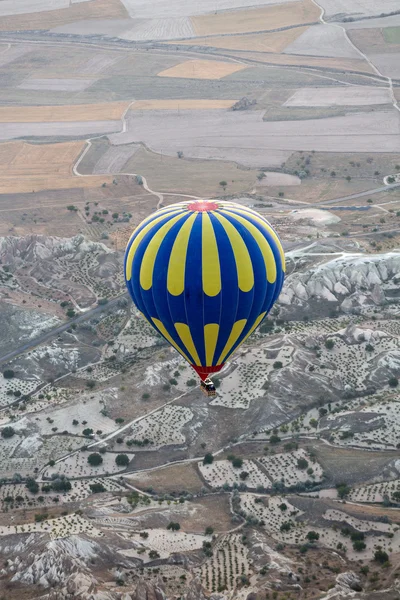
<point>29,167</point>
<point>97,9</point>
<point>202,69</point>
<point>257,19</point>
<point>181,104</point>
<point>107,111</point>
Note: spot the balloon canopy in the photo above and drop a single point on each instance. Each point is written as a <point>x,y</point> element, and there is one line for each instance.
<point>204,274</point>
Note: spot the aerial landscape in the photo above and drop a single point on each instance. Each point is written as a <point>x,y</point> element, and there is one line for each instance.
<point>119,478</point>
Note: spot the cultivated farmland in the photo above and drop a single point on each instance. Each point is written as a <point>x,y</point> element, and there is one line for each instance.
<point>49,114</point>
<point>202,69</point>
<point>256,19</point>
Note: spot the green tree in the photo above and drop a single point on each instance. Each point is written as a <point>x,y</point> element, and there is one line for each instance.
<point>237,462</point>
<point>359,545</point>
<point>312,536</point>
<point>8,374</point>
<point>302,464</point>
<point>7,432</point>
<point>381,556</point>
<point>208,459</point>
<point>329,344</point>
<point>122,460</point>
<point>173,526</point>
<point>393,382</point>
<point>70,313</point>
<point>97,488</point>
<point>209,531</point>
<point>95,459</point>
<point>277,364</point>
<point>223,184</point>
<point>343,490</point>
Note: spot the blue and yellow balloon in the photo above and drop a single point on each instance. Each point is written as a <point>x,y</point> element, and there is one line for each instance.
<point>205,274</point>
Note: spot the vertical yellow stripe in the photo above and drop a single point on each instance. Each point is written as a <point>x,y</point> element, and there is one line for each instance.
<point>211,269</point>
<point>165,333</point>
<point>177,260</point>
<point>233,338</point>
<point>256,324</point>
<point>155,215</point>
<point>138,239</point>
<point>265,248</point>
<point>242,257</point>
<point>187,340</point>
<point>149,258</point>
<point>259,219</point>
<point>211,332</point>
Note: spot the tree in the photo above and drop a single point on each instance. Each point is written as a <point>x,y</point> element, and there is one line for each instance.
<point>191,382</point>
<point>393,382</point>
<point>359,545</point>
<point>208,459</point>
<point>329,344</point>
<point>302,463</point>
<point>277,364</point>
<point>223,184</point>
<point>237,462</point>
<point>97,488</point>
<point>173,526</point>
<point>8,374</point>
<point>274,439</point>
<point>153,554</point>
<point>115,215</point>
<point>72,208</point>
<point>122,460</point>
<point>369,348</point>
<point>381,556</point>
<point>139,180</point>
<point>312,536</point>
<point>102,301</point>
<point>7,432</point>
<point>52,463</point>
<point>314,423</point>
<point>283,507</point>
<point>396,496</point>
<point>31,485</point>
<point>343,490</point>
<point>244,475</point>
<point>95,459</point>
<point>87,432</point>
<point>90,384</point>
<point>209,531</point>
<point>180,154</point>
<point>70,313</point>
<point>60,484</point>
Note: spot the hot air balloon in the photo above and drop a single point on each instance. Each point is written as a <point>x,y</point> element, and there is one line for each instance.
<point>204,274</point>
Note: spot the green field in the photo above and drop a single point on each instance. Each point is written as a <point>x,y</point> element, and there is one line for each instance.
<point>392,35</point>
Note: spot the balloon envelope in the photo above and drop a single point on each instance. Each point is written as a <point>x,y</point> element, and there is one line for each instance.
<point>204,274</point>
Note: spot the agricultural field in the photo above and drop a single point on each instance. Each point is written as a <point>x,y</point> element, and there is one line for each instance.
<point>202,69</point>
<point>45,15</point>
<point>337,9</point>
<point>77,112</point>
<point>256,19</point>
<point>168,132</point>
<point>223,472</point>
<point>322,40</point>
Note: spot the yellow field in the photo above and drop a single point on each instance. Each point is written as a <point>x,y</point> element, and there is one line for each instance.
<point>202,69</point>
<point>96,9</point>
<point>33,167</point>
<point>259,42</point>
<point>49,114</point>
<point>181,104</point>
<point>256,19</point>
